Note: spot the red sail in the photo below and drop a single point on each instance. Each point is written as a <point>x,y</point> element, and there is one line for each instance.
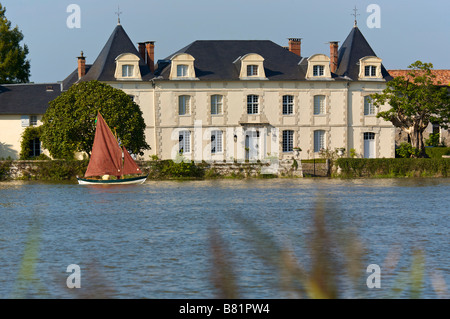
<point>106,156</point>
<point>129,165</point>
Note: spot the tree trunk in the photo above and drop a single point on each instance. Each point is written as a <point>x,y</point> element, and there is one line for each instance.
<point>417,141</point>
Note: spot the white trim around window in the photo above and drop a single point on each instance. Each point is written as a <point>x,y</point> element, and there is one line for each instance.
<point>319,140</point>
<point>127,70</point>
<point>369,107</point>
<point>319,104</point>
<point>288,141</point>
<point>184,105</point>
<point>252,104</point>
<point>318,70</point>
<point>216,104</point>
<point>288,105</point>
<point>184,142</point>
<point>216,141</point>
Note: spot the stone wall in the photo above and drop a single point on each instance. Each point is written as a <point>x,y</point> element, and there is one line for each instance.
<point>61,170</point>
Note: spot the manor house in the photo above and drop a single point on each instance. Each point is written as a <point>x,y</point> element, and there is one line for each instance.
<point>247,99</point>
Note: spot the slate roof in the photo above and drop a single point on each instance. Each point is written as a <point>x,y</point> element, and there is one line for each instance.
<point>352,50</point>
<point>30,99</point>
<point>104,66</point>
<point>214,60</point>
<point>218,60</point>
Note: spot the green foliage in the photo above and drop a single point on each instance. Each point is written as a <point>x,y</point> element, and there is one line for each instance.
<point>14,68</point>
<point>405,150</point>
<point>69,122</point>
<point>415,102</point>
<point>57,170</point>
<point>154,157</point>
<point>437,152</point>
<point>432,140</point>
<point>295,164</point>
<point>353,153</point>
<point>28,135</point>
<point>170,169</point>
<point>393,167</point>
<point>316,160</point>
<point>4,169</point>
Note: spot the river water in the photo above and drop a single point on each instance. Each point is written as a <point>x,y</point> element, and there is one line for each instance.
<point>154,240</point>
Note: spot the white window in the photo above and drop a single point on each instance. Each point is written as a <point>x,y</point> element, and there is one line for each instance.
<point>370,70</point>
<point>182,70</point>
<point>184,105</point>
<point>184,142</point>
<point>288,141</point>
<point>127,70</point>
<point>318,70</point>
<point>369,108</point>
<point>319,140</point>
<point>319,104</point>
<point>216,142</point>
<point>252,104</point>
<point>216,104</point>
<point>252,70</point>
<point>288,104</point>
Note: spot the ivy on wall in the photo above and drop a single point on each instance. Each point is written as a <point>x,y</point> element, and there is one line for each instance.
<point>28,136</point>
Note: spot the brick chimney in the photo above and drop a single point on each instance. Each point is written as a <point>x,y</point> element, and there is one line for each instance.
<point>333,56</point>
<point>150,46</point>
<point>81,66</point>
<point>142,52</point>
<point>295,45</point>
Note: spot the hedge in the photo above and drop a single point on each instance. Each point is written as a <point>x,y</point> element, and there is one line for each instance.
<point>437,152</point>
<point>392,167</point>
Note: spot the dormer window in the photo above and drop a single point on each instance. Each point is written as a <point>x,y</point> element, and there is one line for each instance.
<point>251,67</point>
<point>318,70</point>
<point>127,71</point>
<point>182,70</point>
<point>182,67</point>
<point>370,68</point>
<point>318,67</point>
<point>252,70</point>
<point>127,67</point>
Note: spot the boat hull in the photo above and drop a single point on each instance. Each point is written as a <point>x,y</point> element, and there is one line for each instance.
<point>124,181</point>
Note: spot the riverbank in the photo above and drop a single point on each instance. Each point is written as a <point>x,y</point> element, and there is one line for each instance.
<point>391,167</point>
<point>59,170</point>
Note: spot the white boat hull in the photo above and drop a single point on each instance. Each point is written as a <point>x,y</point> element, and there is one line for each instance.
<point>125,181</point>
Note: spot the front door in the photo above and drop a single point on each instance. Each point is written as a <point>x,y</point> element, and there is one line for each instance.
<point>252,145</point>
<point>369,145</point>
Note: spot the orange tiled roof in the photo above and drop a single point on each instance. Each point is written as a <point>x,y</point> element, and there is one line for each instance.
<point>442,76</point>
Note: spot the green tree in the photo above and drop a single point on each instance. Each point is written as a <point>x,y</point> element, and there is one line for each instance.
<point>14,68</point>
<point>69,122</point>
<point>415,100</point>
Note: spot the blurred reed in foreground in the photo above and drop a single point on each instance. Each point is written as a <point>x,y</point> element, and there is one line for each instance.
<point>337,264</point>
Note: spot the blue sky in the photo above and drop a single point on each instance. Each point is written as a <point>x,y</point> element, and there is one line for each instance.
<point>409,30</point>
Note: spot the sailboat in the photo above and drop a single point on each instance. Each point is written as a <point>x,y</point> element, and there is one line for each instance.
<point>106,160</point>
